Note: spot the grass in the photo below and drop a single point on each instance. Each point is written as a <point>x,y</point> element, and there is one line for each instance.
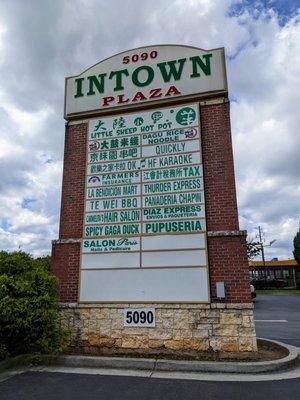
<point>279,292</point>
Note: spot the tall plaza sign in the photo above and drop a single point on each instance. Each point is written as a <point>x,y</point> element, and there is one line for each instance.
<point>146,75</point>
<point>144,220</point>
<point>150,256</point>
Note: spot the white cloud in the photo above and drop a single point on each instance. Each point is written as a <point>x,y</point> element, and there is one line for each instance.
<point>2,32</point>
<point>30,123</point>
<point>30,213</point>
<point>265,122</point>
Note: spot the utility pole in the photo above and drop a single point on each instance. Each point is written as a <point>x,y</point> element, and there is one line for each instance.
<point>266,271</point>
<point>261,246</point>
<point>260,235</point>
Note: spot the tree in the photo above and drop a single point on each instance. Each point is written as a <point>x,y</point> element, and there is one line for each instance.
<point>296,251</point>
<point>28,306</point>
<point>253,249</point>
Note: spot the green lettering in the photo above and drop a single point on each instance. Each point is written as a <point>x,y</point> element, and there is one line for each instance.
<point>196,61</point>
<point>78,82</point>
<point>118,75</point>
<point>149,79</point>
<point>97,83</point>
<point>172,71</point>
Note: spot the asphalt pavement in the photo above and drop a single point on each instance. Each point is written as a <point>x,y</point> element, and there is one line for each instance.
<point>62,386</point>
<point>278,318</point>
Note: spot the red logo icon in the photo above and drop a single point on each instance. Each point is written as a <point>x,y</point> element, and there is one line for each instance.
<point>190,133</point>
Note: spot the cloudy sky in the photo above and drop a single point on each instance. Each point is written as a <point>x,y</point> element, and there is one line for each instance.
<point>42,41</point>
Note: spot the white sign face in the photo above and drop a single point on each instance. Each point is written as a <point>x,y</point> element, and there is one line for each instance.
<point>144,75</point>
<point>139,317</point>
<point>144,233</point>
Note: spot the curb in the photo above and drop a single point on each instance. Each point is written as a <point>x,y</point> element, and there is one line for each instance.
<point>159,365</point>
<point>156,365</point>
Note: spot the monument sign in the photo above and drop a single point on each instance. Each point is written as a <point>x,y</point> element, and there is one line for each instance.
<point>149,229</point>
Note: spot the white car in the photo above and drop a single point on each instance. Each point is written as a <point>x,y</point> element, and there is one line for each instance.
<point>253,292</point>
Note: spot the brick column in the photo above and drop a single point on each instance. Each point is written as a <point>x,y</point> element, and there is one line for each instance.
<point>66,250</point>
<point>226,244</point>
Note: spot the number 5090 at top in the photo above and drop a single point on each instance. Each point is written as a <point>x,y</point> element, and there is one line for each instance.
<point>139,57</point>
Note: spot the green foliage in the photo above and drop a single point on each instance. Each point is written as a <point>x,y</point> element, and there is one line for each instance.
<point>44,262</point>
<point>296,251</point>
<point>28,306</point>
<point>253,249</point>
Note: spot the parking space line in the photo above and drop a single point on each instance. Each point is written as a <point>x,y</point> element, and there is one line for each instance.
<point>270,320</point>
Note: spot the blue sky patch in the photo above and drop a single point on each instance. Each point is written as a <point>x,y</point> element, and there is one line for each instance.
<point>286,9</point>
<point>4,224</point>
<point>26,203</point>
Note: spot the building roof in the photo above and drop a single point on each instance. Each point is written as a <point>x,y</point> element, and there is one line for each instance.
<point>279,263</point>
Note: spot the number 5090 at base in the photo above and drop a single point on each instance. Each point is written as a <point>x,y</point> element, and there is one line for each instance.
<point>139,317</point>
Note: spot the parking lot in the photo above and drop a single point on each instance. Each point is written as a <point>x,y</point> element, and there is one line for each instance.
<point>277,317</point>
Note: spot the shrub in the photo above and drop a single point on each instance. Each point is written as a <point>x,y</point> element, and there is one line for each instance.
<point>28,306</point>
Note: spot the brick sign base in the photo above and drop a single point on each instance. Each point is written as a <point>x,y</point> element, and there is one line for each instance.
<point>221,326</point>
